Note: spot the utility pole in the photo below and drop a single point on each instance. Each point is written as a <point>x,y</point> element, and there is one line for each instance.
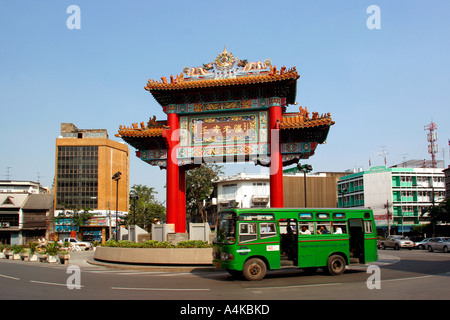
<point>386,206</point>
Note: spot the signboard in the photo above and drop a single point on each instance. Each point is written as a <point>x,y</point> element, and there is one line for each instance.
<point>217,136</point>
<point>382,220</point>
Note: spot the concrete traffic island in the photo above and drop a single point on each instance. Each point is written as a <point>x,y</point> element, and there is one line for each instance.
<point>155,256</point>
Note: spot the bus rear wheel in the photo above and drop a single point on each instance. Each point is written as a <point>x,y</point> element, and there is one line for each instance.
<point>335,265</point>
<point>254,269</point>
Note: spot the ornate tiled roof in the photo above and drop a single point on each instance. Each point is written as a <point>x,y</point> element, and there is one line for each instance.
<point>152,129</point>
<point>298,120</point>
<point>303,120</point>
<point>236,77</point>
<point>263,77</point>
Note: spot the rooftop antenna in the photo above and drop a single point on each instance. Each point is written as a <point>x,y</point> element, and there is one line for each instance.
<point>432,138</point>
<point>8,174</point>
<point>384,154</point>
<point>404,159</point>
<point>39,178</point>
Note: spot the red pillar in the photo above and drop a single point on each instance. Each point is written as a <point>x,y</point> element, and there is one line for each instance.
<point>276,163</point>
<point>181,220</point>
<point>172,185</point>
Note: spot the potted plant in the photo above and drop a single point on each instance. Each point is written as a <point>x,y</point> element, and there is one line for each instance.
<point>42,254</point>
<point>2,251</point>
<point>24,254</point>
<point>33,249</point>
<point>16,249</point>
<point>64,256</point>
<point>8,252</point>
<point>52,249</point>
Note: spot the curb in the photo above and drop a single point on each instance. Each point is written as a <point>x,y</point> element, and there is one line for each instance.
<point>145,267</point>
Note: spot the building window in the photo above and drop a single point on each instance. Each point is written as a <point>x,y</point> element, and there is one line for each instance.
<point>77,177</point>
<point>229,190</point>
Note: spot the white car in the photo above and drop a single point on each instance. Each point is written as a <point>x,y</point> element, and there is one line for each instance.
<point>422,244</point>
<point>76,242</point>
<point>395,242</point>
<point>440,243</point>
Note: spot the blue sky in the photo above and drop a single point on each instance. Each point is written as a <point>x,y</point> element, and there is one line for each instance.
<point>380,86</point>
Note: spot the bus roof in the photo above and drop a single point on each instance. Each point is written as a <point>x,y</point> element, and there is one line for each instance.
<point>249,210</point>
<point>287,213</point>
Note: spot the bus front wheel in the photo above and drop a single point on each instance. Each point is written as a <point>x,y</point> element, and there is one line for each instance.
<point>254,269</point>
<point>336,265</point>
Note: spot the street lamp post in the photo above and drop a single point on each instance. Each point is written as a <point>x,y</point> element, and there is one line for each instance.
<point>116,177</point>
<point>305,169</point>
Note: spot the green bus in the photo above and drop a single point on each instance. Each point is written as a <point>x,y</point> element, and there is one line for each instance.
<point>251,241</point>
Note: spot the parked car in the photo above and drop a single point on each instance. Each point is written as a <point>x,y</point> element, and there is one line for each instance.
<point>422,244</point>
<point>439,243</point>
<point>395,242</point>
<point>76,242</point>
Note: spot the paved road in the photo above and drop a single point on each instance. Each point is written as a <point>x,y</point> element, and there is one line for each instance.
<point>403,274</point>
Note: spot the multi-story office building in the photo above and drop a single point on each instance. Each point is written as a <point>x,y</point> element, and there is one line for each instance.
<point>447,182</point>
<point>86,160</point>
<point>405,193</point>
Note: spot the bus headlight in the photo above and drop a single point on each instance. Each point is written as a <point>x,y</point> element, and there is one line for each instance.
<point>226,256</point>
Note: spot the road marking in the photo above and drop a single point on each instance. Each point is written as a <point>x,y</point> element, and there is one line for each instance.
<point>158,289</point>
<point>51,283</point>
<point>410,278</point>
<point>299,286</point>
<point>175,274</point>
<point>9,277</point>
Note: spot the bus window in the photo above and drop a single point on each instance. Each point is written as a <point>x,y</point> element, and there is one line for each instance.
<point>226,229</point>
<point>368,227</point>
<point>305,216</point>
<point>338,215</point>
<point>247,232</point>
<point>322,215</point>
<point>306,227</point>
<point>267,230</point>
<point>339,227</point>
<point>324,227</point>
<point>256,217</point>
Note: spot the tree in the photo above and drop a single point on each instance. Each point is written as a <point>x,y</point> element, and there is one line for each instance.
<point>199,187</point>
<point>144,207</point>
<point>439,214</point>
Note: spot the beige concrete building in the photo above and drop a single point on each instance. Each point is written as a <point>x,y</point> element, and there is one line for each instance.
<point>321,190</point>
<point>85,161</point>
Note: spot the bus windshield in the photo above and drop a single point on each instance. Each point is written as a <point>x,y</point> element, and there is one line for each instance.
<point>226,229</point>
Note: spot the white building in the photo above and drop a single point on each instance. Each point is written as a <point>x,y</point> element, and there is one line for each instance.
<point>403,192</point>
<point>25,209</point>
<point>243,191</point>
<point>29,187</point>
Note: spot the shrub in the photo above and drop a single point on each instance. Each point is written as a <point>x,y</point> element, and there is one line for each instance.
<point>52,248</point>
<point>156,244</point>
<point>193,244</point>
<point>16,249</point>
<point>33,247</point>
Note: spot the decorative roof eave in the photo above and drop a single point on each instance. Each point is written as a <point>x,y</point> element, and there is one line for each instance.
<point>144,136</point>
<point>180,84</point>
<point>226,78</point>
<point>302,120</point>
<point>289,121</point>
